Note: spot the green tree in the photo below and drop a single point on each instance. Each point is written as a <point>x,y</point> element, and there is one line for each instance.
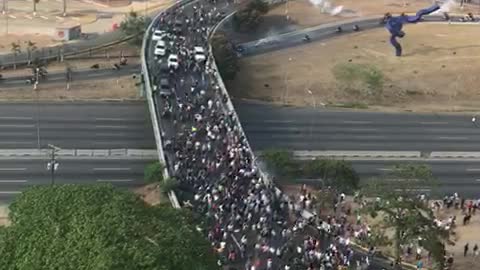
<point>135,25</point>
<point>169,184</point>
<point>99,227</point>
<point>154,172</point>
<point>16,49</point>
<point>338,174</point>
<point>401,209</point>
<point>281,162</point>
<point>225,56</point>
<point>248,18</point>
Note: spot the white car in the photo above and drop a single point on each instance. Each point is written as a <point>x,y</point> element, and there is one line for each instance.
<point>199,54</point>
<point>158,35</point>
<point>160,48</point>
<point>172,61</point>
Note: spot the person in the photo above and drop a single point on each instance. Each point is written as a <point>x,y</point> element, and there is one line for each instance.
<point>465,250</point>
<point>306,38</point>
<point>475,250</point>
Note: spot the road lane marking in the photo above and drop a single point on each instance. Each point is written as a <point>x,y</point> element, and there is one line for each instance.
<point>363,129</point>
<point>13,169</point>
<point>473,170</point>
<point>110,134</point>
<point>12,142</point>
<point>13,181</point>
<point>115,119</point>
<point>385,169</point>
<point>44,17</point>
<point>15,118</point>
<point>114,180</point>
<point>370,137</point>
<point>111,169</point>
<point>278,121</point>
<point>10,192</point>
<point>11,16</point>
<point>434,123</point>
<point>357,122</point>
<point>100,126</point>
<point>17,126</point>
<point>452,138</point>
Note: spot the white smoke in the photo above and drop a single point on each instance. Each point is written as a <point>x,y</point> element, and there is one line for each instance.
<point>447,6</point>
<point>327,7</point>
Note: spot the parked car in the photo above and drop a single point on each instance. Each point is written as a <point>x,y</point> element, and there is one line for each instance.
<point>160,48</point>
<point>172,61</point>
<point>164,87</point>
<point>178,26</point>
<point>199,54</point>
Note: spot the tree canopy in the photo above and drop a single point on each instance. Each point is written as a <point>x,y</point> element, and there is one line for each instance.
<point>135,25</point>
<point>99,227</point>
<point>248,18</point>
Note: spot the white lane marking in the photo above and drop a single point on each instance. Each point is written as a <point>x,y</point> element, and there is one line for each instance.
<point>385,169</point>
<point>357,122</point>
<point>111,169</point>
<point>114,119</point>
<point>100,126</point>
<point>13,181</point>
<point>15,118</point>
<point>415,189</point>
<point>362,129</point>
<point>12,142</point>
<point>59,18</point>
<point>17,126</point>
<point>11,16</point>
<point>434,123</point>
<point>114,180</point>
<point>278,121</point>
<point>13,169</point>
<point>110,134</point>
<point>473,170</point>
<point>370,137</point>
<point>452,138</point>
<point>44,17</point>
<point>28,17</point>
<point>478,180</point>
<point>17,133</point>
<point>10,192</point>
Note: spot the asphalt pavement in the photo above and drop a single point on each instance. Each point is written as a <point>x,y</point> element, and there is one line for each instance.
<point>97,125</point>
<point>77,75</point>
<point>270,126</point>
<point>16,175</point>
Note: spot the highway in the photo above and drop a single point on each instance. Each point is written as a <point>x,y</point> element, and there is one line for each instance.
<point>18,174</point>
<point>77,75</point>
<point>271,126</point>
<point>97,125</point>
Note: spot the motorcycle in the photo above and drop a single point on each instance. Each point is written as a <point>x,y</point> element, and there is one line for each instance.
<point>306,38</point>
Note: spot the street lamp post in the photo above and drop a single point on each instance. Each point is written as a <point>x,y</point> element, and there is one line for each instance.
<point>52,165</point>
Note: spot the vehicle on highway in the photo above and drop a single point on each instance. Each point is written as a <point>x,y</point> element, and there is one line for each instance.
<point>199,54</point>
<point>158,35</point>
<point>164,88</point>
<point>172,61</point>
<point>160,48</point>
<point>178,26</point>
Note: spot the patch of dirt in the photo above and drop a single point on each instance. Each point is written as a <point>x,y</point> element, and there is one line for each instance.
<point>121,88</point>
<point>4,221</point>
<point>151,194</point>
<point>436,73</point>
<point>39,40</point>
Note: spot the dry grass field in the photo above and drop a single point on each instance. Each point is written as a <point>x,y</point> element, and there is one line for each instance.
<point>438,71</point>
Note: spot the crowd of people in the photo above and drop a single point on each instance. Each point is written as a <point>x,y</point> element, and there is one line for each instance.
<point>251,223</point>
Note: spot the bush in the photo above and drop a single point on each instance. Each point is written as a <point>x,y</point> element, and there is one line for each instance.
<point>154,172</point>
<point>338,174</point>
<point>170,184</point>
<point>248,18</point>
<point>359,77</point>
<point>281,162</point>
<point>135,25</point>
<point>225,56</point>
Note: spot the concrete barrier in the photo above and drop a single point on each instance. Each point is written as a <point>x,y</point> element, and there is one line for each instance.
<point>455,155</point>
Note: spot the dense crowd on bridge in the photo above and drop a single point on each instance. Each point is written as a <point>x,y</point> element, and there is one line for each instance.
<point>251,222</point>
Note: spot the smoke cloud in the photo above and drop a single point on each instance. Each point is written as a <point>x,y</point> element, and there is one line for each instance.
<point>327,7</point>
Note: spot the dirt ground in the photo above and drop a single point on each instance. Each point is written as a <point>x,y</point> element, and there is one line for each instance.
<point>436,72</point>
<point>151,194</point>
<point>4,221</point>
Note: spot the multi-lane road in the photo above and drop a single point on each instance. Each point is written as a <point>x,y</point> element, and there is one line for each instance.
<point>76,125</point>
<point>97,125</point>
<point>269,126</point>
<point>17,174</point>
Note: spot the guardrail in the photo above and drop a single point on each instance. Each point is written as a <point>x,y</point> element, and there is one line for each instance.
<point>147,86</point>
